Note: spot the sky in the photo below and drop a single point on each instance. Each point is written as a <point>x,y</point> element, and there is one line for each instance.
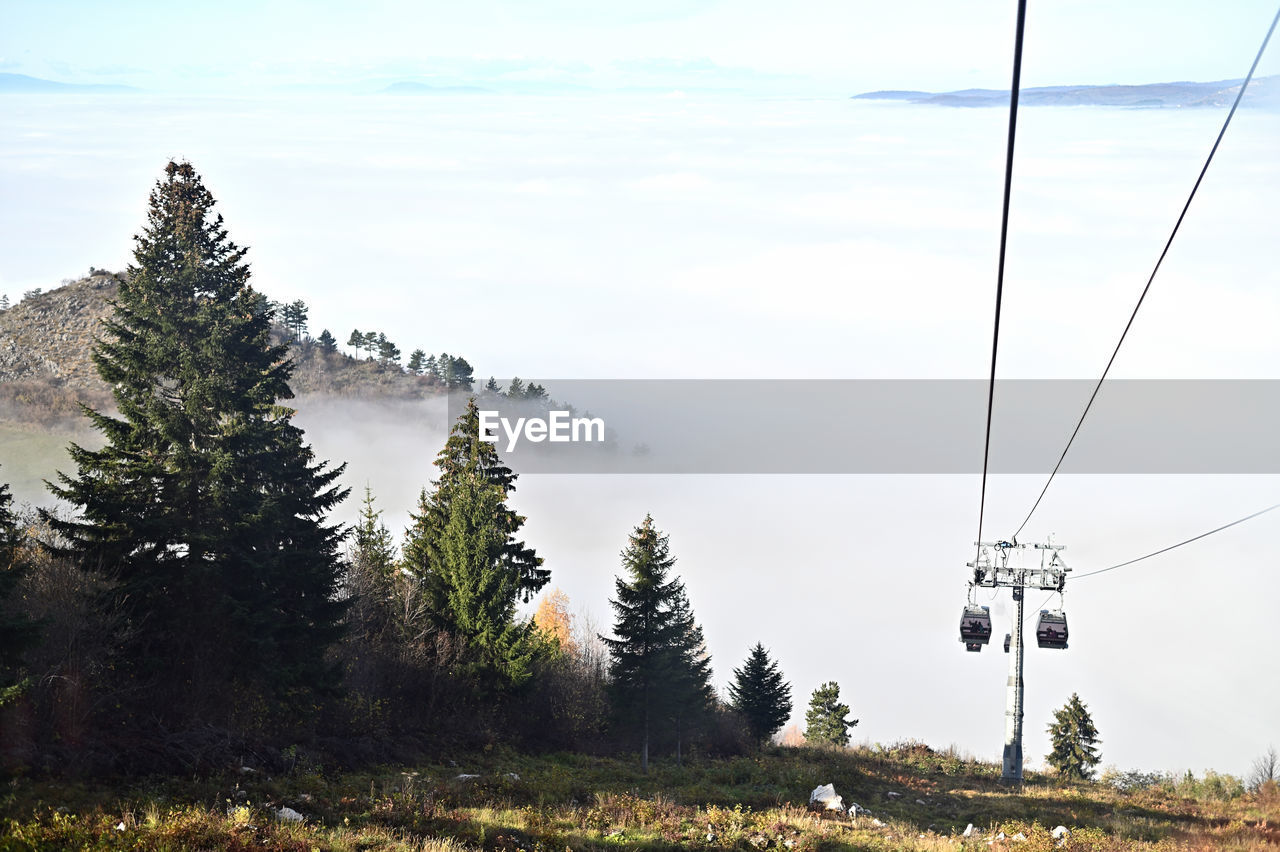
<point>740,218</point>
<point>807,47</point>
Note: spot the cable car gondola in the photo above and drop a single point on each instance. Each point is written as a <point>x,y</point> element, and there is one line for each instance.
<point>1051,629</point>
<point>975,627</point>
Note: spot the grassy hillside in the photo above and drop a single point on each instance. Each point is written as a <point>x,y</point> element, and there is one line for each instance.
<point>916,799</point>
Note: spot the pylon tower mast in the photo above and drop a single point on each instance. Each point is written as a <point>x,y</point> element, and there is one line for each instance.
<point>996,573</point>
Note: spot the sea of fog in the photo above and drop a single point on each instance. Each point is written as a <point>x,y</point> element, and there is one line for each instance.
<point>696,237</point>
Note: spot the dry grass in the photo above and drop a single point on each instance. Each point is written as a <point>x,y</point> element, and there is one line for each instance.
<point>918,800</point>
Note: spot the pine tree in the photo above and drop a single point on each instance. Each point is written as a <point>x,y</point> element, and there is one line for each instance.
<point>388,352</point>
<point>371,541</point>
<point>371,342</point>
<point>460,374</point>
<point>462,544</point>
<point>516,389</point>
<point>659,669</point>
<point>431,367</point>
<point>4,302</point>
<point>328,345</point>
<point>491,386</point>
<point>204,503</point>
<point>760,694</point>
<point>417,361</point>
<point>691,695</point>
<point>1074,739</point>
<point>298,314</point>
<point>356,340</point>
<point>17,632</point>
<point>825,722</point>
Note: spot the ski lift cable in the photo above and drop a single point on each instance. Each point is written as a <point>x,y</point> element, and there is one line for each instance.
<point>1179,544</point>
<point>1004,236</point>
<point>1178,224</point>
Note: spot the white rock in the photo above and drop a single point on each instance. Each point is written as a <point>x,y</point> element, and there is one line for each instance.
<point>893,795</point>
<point>877,823</point>
<point>288,815</point>
<point>855,809</point>
<point>826,796</point>
<point>1019,837</point>
<point>1061,832</point>
<point>1000,836</point>
<point>511,776</point>
<point>968,831</point>
<point>466,777</point>
<point>120,826</point>
<point>921,802</point>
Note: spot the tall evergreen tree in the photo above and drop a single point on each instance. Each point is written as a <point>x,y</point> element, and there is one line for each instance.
<point>691,696</point>
<point>461,375</point>
<point>760,694</point>
<point>491,386</point>
<point>204,501</point>
<point>17,632</point>
<point>431,367</point>
<point>659,671</point>
<point>356,340</point>
<point>298,318</point>
<point>417,360</point>
<point>1074,739</point>
<point>516,389</point>
<point>371,342</point>
<point>328,345</point>
<point>462,544</point>
<point>825,722</point>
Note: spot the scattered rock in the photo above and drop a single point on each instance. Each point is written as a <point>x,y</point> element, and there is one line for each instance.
<point>968,831</point>
<point>288,815</point>
<point>855,809</point>
<point>466,777</point>
<point>511,776</point>
<point>1001,836</point>
<point>120,826</point>
<point>306,797</point>
<point>1061,832</point>
<point>1019,837</point>
<point>921,802</point>
<point>247,770</point>
<point>892,795</point>
<point>825,796</point>
<point>877,823</point>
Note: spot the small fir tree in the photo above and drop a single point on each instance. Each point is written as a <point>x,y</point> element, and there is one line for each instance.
<point>1074,740</point>
<point>760,694</point>
<point>825,722</point>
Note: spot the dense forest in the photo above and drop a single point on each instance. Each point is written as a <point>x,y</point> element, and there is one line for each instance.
<point>192,606</point>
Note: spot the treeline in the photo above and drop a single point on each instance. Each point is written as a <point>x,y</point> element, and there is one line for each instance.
<point>196,606</point>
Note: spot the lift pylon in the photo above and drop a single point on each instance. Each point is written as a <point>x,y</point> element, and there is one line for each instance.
<point>996,573</point>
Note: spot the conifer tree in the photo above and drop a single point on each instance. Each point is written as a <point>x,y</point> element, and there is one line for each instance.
<point>760,694</point>
<point>516,389</point>
<point>356,340</point>
<point>460,374</point>
<point>462,544</point>
<point>491,386</point>
<point>825,722</point>
<point>371,342</point>
<point>431,367</point>
<point>659,670</point>
<point>204,502</point>
<point>1074,739</point>
<point>417,361</point>
<point>17,632</point>
<point>328,345</point>
<point>4,302</point>
<point>388,352</point>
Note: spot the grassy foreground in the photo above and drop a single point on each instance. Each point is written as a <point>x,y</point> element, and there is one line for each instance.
<point>917,799</point>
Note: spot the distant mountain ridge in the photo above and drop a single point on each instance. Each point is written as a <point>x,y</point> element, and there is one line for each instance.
<point>21,84</point>
<point>1262,92</point>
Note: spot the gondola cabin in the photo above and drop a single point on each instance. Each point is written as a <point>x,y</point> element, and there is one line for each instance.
<point>975,627</point>
<point>1051,629</point>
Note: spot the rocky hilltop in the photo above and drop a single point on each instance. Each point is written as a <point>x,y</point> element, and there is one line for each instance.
<point>46,366</point>
<point>48,337</point>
